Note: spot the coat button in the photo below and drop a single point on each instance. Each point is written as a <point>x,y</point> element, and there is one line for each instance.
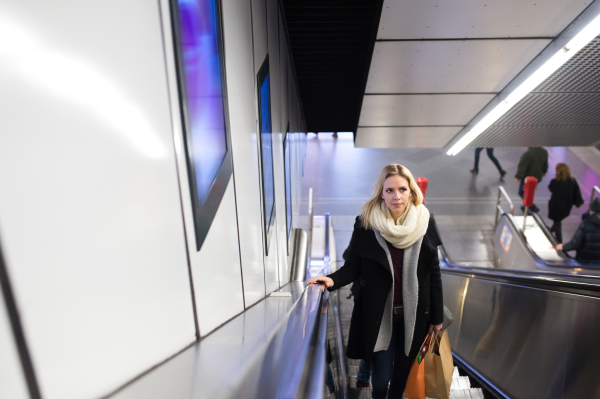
<point>363,282</point>
<point>426,310</point>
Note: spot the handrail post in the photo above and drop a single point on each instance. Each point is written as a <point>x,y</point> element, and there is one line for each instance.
<point>310,230</point>
<point>502,192</point>
<point>594,191</point>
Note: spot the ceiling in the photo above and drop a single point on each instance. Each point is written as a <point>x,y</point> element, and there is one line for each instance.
<point>331,44</point>
<point>416,73</point>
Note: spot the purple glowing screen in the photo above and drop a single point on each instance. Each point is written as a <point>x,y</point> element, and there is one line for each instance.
<point>199,46</point>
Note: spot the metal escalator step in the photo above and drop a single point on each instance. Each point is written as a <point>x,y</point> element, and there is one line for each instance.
<point>460,383</point>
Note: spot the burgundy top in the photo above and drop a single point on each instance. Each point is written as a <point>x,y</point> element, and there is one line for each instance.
<point>397,255</point>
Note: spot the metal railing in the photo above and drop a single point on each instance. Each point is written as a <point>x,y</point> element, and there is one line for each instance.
<point>302,246</point>
<point>499,210</point>
<point>594,191</point>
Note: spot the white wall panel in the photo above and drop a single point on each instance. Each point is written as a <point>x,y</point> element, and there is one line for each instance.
<point>216,269</point>
<point>259,33</point>
<point>410,110</point>
<point>474,18</point>
<point>90,212</point>
<point>241,88</point>
<point>277,126</point>
<point>12,380</point>
<point>404,137</point>
<point>449,66</point>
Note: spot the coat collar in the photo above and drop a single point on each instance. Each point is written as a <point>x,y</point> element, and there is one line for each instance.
<point>368,247</point>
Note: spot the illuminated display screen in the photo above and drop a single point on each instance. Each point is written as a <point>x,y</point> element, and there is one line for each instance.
<point>203,97</point>
<point>266,148</point>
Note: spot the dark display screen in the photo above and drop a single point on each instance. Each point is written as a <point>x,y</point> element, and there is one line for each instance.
<point>266,149</point>
<point>203,98</point>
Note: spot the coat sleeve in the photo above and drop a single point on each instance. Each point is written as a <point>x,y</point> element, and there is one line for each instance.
<point>577,198</point>
<point>435,285</point>
<point>522,168</point>
<point>552,186</point>
<point>577,240</point>
<point>351,269</point>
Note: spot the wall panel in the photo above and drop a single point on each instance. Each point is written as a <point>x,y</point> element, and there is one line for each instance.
<point>215,268</point>
<point>241,86</point>
<point>12,380</point>
<point>90,210</point>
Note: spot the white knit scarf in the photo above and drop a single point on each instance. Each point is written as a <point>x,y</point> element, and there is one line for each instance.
<point>405,231</point>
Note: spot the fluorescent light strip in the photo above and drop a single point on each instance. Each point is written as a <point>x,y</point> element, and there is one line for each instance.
<point>586,35</point>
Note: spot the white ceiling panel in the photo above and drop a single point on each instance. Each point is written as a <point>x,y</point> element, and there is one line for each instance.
<point>410,19</point>
<point>411,110</point>
<point>449,66</point>
<point>404,137</point>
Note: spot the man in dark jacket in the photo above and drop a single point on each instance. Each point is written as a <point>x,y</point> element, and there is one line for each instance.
<point>586,240</point>
<point>534,162</point>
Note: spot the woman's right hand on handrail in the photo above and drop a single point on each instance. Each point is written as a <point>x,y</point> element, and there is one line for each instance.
<point>321,279</point>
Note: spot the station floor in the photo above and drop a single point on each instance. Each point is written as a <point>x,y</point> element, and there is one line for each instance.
<point>464,204</point>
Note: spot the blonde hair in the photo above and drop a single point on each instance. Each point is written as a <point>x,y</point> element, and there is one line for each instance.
<point>416,197</point>
<point>563,172</point>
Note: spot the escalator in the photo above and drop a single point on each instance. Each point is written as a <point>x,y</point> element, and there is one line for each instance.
<point>528,328</point>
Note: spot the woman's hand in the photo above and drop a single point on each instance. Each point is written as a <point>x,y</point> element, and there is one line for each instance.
<point>435,328</point>
<point>559,247</point>
<point>322,279</point>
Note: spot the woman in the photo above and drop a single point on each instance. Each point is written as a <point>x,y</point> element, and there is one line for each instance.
<point>400,300</point>
<point>565,193</point>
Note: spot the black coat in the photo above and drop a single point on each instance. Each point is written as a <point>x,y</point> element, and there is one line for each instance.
<point>565,194</point>
<point>586,239</point>
<point>368,260</point>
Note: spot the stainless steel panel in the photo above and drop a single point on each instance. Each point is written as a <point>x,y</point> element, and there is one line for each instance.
<point>478,331</point>
<point>583,360</point>
<point>531,343</point>
<point>454,291</point>
<point>530,337</point>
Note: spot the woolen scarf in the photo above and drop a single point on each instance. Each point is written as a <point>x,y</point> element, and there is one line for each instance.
<point>405,231</point>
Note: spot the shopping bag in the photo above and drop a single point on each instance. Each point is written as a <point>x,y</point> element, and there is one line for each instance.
<point>439,368</point>
<point>415,385</point>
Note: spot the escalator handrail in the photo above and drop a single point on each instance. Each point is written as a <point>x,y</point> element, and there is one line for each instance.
<point>587,285</point>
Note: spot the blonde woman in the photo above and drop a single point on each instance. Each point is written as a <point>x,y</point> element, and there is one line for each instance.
<point>565,193</point>
<point>400,299</point>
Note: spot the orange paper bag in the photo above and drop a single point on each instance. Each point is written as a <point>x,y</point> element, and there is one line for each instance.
<point>415,385</point>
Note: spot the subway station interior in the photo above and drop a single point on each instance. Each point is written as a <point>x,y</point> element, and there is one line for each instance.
<point>173,172</point>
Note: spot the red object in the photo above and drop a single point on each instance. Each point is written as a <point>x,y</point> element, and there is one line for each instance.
<point>422,183</point>
<point>529,190</point>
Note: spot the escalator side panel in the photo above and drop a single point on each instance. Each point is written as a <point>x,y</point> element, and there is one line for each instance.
<point>476,325</point>
<point>511,250</point>
<point>530,329</point>
<point>530,343</point>
<point>454,289</point>
<point>583,361</point>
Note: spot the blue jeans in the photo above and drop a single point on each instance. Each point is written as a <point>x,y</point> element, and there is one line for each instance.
<point>364,374</point>
<point>329,378</point>
<point>588,261</point>
<point>391,365</point>
<point>490,153</point>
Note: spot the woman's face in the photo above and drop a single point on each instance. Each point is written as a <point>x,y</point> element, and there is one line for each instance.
<point>396,193</point>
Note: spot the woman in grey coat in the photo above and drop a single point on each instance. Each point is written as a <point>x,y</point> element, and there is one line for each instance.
<point>400,299</point>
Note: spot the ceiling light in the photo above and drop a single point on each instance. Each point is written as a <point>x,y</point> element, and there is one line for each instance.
<point>586,35</point>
